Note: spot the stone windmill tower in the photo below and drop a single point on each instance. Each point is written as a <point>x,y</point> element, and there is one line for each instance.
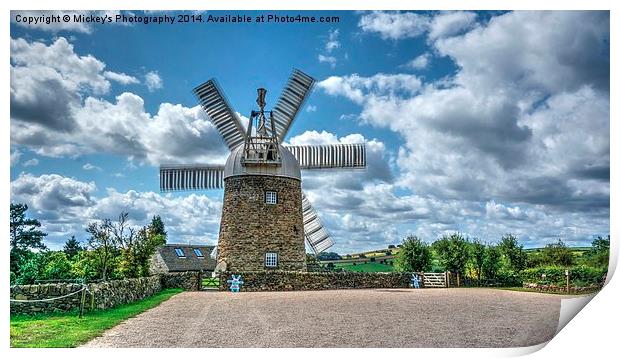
<point>265,216</point>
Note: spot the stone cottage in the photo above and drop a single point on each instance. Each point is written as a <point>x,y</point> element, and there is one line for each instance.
<point>183,257</point>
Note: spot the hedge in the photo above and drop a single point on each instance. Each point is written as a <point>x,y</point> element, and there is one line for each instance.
<point>578,275</point>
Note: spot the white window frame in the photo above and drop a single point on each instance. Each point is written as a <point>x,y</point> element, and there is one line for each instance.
<point>271,259</point>
<point>198,251</point>
<point>177,250</point>
<point>271,197</point>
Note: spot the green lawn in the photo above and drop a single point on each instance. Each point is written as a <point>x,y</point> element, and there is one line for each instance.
<point>68,330</point>
<point>366,267</point>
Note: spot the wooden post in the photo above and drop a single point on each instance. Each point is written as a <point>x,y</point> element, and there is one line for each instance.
<point>82,300</point>
<point>458,279</point>
<point>447,275</point>
<point>567,281</point>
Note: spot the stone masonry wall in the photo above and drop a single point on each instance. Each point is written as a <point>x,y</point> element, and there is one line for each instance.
<point>290,281</point>
<point>189,281</point>
<point>99,295</point>
<point>250,228</point>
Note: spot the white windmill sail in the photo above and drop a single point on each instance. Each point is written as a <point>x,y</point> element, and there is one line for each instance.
<point>315,233</point>
<point>214,103</point>
<point>330,156</point>
<point>291,100</point>
<point>190,177</point>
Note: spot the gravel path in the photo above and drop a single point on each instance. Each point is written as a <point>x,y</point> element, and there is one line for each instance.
<point>343,318</point>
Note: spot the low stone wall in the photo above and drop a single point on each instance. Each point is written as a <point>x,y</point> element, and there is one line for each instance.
<point>100,295</point>
<point>189,281</point>
<point>38,292</point>
<point>562,289</point>
<point>293,281</point>
<point>118,292</point>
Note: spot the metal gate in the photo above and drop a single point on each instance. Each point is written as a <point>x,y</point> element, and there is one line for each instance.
<point>435,279</point>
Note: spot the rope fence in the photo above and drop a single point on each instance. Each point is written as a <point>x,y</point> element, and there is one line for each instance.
<point>83,290</point>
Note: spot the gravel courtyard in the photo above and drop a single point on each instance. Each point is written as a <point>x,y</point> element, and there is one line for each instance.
<point>465,317</point>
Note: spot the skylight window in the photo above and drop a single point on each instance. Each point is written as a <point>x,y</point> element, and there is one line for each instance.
<point>198,253</point>
<point>179,252</point>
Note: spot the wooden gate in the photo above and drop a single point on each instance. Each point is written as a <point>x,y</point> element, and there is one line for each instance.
<point>210,283</point>
<point>435,279</point>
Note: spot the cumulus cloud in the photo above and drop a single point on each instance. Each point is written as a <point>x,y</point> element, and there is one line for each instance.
<point>328,59</point>
<point>451,23</point>
<point>54,111</point>
<point>121,78</point>
<point>332,43</point>
<point>394,25</point>
<point>420,62</point>
<point>66,205</point>
<point>15,157</point>
<point>89,166</point>
<point>489,144</point>
<point>153,81</point>
<point>31,163</point>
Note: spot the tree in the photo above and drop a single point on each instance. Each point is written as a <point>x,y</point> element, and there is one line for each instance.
<point>599,253</point>
<point>414,256</point>
<point>72,247</point>
<point>103,246</point>
<point>146,243</point>
<point>157,226</point>
<point>492,262</point>
<point>478,251</point>
<point>31,268</point>
<point>453,252</point>
<point>24,235</point>
<point>557,254</point>
<point>513,251</point>
<point>57,266</point>
<point>326,256</point>
<point>391,247</point>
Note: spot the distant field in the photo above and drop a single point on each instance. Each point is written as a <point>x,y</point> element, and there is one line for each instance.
<point>366,267</point>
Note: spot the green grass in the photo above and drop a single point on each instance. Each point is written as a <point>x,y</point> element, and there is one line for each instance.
<point>68,330</point>
<point>366,267</point>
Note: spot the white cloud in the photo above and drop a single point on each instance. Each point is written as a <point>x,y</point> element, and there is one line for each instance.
<point>31,163</point>
<point>121,78</point>
<point>530,88</point>
<point>53,114</point>
<point>153,81</point>
<point>394,25</point>
<point>311,108</point>
<point>328,59</point>
<point>451,23</point>
<point>89,166</point>
<point>355,87</point>
<point>332,42</point>
<point>66,205</point>
<point>15,157</point>
<point>420,62</point>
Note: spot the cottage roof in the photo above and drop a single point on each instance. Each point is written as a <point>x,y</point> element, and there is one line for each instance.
<point>190,261</point>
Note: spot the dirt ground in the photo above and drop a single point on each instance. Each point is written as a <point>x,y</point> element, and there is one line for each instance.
<point>461,317</point>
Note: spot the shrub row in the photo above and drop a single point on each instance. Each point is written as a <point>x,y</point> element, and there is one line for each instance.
<point>578,275</point>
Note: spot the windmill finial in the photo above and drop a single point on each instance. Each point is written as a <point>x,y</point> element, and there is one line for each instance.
<point>261,98</point>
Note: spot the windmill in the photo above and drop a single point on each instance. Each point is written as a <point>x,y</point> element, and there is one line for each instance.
<point>265,215</point>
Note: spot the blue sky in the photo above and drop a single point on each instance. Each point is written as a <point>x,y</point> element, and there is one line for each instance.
<point>485,123</point>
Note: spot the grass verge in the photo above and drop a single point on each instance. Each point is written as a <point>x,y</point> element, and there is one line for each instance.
<point>366,267</point>
<point>68,330</point>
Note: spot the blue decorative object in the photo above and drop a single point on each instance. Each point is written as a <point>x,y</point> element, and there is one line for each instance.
<point>415,281</point>
<point>235,283</point>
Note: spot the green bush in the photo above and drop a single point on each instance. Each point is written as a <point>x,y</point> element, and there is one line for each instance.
<point>555,275</point>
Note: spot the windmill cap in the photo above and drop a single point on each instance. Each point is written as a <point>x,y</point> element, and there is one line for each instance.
<point>289,167</point>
